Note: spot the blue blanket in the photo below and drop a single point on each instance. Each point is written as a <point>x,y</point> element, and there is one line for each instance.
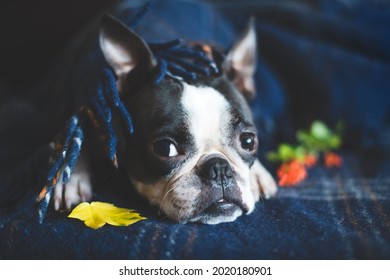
<point>327,60</point>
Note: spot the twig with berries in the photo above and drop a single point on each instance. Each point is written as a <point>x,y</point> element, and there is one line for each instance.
<point>313,144</point>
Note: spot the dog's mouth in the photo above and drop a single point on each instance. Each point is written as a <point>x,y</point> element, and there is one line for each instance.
<point>220,210</point>
<point>223,207</point>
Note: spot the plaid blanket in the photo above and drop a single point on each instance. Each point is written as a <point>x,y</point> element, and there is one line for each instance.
<point>329,60</point>
<point>332,215</point>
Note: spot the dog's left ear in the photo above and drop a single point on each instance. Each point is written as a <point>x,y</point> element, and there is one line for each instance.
<point>240,62</point>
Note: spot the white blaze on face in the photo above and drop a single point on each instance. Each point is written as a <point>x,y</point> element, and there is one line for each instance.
<point>208,115</point>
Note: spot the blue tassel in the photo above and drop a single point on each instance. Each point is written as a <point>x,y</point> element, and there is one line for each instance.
<point>73,123</point>
<point>44,204</point>
<point>111,90</point>
<point>70,131</point>
<point>159,47</point>
<point>63,167</point>
<point>73,155</point>
<point>126,118</point>
<point>181,72</point>
<point>105,109</point>
<point>111,138</point>
<point>162,71</point>
<point>190,53</point>
<point>113,95</point>
<point>185,62</point>
<point>189,66</point>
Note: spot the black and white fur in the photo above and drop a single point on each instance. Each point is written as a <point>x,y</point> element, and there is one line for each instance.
<point>194,149</point>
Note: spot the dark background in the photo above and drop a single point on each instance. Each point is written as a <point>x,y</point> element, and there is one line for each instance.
<point>34,33</point>
<point>327,60</point>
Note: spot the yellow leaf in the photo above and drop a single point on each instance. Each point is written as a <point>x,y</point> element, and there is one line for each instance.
<point>97,214</point>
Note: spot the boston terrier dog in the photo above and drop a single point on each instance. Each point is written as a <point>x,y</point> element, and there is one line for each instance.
<point>194,148</point>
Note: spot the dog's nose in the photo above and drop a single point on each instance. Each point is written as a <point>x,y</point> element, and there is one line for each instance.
<point>216,169</point>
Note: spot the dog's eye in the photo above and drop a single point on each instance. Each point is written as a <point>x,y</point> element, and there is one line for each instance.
<point>165,148</point>
<point>248,141</point>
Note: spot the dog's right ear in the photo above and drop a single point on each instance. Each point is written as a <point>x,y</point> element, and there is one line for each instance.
<point>240,62</point>
<point>123,49</point>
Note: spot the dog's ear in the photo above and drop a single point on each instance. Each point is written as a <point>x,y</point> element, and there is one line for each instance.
<point>240,62</point>
<point>123,49</point>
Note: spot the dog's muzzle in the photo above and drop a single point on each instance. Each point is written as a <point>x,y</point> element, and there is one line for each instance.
<point>220,193</point>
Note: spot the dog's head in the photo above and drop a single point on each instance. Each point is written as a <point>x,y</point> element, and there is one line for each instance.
<point>194,149</point>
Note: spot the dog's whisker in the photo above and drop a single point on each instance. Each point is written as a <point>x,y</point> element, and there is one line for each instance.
<point>164,197</point>
<point>172,183</point>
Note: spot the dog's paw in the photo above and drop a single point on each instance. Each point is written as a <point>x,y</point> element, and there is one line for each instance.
<point>77,190</point>
<point>263,181</point>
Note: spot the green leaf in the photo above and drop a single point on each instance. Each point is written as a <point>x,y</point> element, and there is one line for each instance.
<point>334,142</point>
<point>320,138</point>
<point>300,153</point>
<point>319,130</point>
<point>286,152</point>
<point>314,141</point>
